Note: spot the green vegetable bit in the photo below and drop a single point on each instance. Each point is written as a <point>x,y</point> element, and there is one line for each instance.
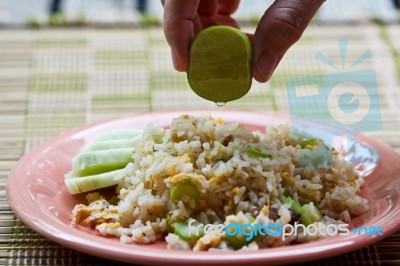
<point>123,133</point>
<point>111,144</point>
<point>253,151</point>
<point>317,158</point>
<point>304,139</point>
<point>250,218</point>
<point>181,229</point>
<point>310,214</point>
<point>308,140</point>
<point>237,241</point>
<point>77,185</point>
<point>170,224</point>
<point>97,162</point>
<point>182,189</point>
<point>293,204</point>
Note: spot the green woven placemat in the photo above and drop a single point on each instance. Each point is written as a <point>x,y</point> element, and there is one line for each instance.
<point>52,80</point>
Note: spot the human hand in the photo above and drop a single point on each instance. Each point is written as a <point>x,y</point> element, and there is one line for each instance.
<point>279,28</point>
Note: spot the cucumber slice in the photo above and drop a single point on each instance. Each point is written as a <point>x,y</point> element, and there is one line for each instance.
<point>120,134</point>
<point>181,229</point>
<point>170,224</point>
<point>77,185</point>
<point>70,175</point>
<point>97,162</point>
<point>111,144</point>
<point>237,241</point>
<point>184,188</point>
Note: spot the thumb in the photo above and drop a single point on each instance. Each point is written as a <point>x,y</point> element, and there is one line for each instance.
<point>280,27</point>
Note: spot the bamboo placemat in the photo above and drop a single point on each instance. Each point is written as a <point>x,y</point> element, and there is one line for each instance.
<point>54,79</point>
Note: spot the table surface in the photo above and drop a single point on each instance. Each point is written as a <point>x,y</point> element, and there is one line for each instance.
<point>54,79</point>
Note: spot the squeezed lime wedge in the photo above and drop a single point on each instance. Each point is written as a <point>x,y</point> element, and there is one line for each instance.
<point>220,64</point>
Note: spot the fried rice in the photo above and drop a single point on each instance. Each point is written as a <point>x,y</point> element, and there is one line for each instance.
<point>233,183</point>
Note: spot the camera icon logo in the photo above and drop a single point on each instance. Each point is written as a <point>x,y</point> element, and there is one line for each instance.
<point>348,98</point>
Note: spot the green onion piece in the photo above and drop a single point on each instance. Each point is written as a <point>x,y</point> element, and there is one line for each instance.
<point>250,218</point>
<point>309,141</point>
<point>158,138</point>
<point>253,151</point>
<point>310,214</point>
<point>293,204</point>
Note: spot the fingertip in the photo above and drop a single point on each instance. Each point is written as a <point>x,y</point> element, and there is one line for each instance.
<point>181,21</point>
<point>179,61</point>
<point>180,68</point>
<point>260,78</point>
<point>264,65</point>
<point>279,28</point>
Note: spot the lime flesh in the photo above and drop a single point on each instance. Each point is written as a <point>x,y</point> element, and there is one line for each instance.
<point>220,64</point>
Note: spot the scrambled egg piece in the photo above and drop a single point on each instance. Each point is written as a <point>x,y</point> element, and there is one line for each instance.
<point>207,241</point>
<point>96,213</point>
<point>196,179</point>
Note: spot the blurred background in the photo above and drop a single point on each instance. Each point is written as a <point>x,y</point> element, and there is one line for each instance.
<point>72,12</point>
<point>64,63</point>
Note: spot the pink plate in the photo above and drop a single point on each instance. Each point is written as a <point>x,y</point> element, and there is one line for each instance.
<point>37,195</point>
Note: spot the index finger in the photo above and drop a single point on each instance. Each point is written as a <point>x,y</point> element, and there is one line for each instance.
<point>228,7</point>
<point>180,22</point>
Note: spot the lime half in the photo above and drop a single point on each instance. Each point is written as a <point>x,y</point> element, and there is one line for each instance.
<point>220,64</point>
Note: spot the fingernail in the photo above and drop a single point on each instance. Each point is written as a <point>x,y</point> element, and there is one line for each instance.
<point>266,64</point>
<point>177,61</point>
<point>175,58</point>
